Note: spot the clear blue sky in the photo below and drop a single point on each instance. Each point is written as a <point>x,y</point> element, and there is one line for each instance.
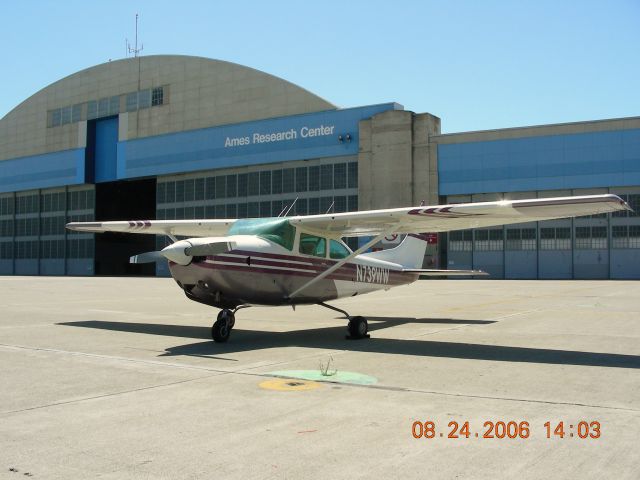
<point>476,64</point>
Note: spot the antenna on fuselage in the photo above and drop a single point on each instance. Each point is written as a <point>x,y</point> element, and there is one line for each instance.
<point>289,209</point>
<point>330,207</point>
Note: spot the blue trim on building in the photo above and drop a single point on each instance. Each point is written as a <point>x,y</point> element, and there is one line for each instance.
<point>247,143</point>
<point>582,160</point>
<point>43,171</point>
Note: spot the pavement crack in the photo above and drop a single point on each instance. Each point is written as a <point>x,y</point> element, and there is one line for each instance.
<point>104,395</point>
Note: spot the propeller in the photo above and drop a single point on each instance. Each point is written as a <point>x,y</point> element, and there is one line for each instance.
<point>147,257</point>
<point>183,251</point>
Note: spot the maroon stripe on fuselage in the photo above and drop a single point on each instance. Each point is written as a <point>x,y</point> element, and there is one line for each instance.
<point>318,264</point>
<point>399,279</point>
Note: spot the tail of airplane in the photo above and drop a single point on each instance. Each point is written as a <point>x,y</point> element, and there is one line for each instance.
<point>409,254</point>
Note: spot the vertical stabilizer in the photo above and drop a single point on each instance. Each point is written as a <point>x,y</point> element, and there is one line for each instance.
<point>409,254</point>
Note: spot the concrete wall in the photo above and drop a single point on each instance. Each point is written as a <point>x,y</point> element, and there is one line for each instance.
<point>397,163</point>
<point>199,92</point>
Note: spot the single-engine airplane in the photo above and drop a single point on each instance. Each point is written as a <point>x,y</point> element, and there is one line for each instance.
<point>235,263</point>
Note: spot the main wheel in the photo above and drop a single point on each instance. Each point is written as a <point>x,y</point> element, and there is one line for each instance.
<point>221,330</point>
<point>358,327</point>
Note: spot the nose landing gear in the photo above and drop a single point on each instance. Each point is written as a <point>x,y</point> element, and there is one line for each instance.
<point>221,329</point>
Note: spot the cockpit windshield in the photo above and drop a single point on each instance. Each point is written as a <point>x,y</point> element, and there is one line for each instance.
<point>276,230</point>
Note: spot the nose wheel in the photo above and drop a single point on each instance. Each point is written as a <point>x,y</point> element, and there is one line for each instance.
<point>221,329</point>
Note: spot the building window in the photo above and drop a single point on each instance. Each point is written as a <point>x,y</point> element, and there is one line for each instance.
<point>188,190</point>
<point>521,239</point>
<point>589,238</point>
<point>288,180</point>
<point>144,98</point>
<point>352,174</point>
<point>92,110</point>
<point>276,208</point>
<point>555,238</point>
<point>276,182</point>
<point>242,185</point>
<point>265,182</point>
<point>180,191</point>
<point>114,105</point>
<point>314,206</point>
<point>157,96</point>
<point>6,250</point>
<point>301,179</point>
<point>623,236</point>
<point>488,240</point>
<point>242,210</point>
<point>340,204</point>
<point>232,188</point>
<point>232,211</point>
<point>199,189</point>
<point>460,241</point>
<point>221,187</point>
<point>619,236</point>
<point>353,203</point>
<point>56,116</point>
<point>132,101</point>
<point>253,209</point>
<point>76,113</point>
<point>103,107</point>
<point>314,179</point>
<point>6,228</point>
<point>253,184</point>
<point>301,206</point>
<point>65,115</point>
<point>326,177</point>
<point>340,176</point>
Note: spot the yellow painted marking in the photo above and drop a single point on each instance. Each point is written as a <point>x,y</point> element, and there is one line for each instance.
<point>289,384</point>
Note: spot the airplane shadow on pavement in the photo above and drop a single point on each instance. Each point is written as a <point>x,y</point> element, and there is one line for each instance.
<point>333,338</point>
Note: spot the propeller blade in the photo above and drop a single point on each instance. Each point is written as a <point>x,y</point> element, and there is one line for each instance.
<point>208,249</point>
<point>147,257</point>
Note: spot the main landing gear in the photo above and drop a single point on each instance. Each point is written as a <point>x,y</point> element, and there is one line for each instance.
<point>358,327</point>
<point>221,329</point>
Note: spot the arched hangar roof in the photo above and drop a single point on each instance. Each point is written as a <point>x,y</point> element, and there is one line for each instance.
<point>197,93</point>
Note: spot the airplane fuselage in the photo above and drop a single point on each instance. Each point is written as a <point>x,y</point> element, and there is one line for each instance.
<point>260,272</point>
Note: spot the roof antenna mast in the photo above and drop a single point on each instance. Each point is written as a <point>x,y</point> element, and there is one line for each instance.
<point>135,50</point>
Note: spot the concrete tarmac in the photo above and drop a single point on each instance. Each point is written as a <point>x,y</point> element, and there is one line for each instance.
<point>117,378</point>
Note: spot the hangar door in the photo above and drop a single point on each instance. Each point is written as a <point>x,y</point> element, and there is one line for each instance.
<point>118,200</point>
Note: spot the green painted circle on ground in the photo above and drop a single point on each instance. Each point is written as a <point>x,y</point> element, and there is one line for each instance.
<point>353,378</point>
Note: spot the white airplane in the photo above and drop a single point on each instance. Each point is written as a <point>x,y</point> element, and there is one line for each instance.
<point>236,263</point>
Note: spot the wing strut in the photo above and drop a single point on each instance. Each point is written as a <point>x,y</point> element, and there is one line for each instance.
<point>337,265</point>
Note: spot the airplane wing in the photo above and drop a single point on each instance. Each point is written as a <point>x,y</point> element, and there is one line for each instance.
<point>439,218</point>
<point>444,218</point>
<point>188,228</point>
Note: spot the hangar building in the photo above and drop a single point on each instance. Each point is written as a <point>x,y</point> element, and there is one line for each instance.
<point>173,137</point>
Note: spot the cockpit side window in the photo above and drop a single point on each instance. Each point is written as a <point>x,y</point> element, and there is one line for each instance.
<point>337,250</point>
<point>312,245</point>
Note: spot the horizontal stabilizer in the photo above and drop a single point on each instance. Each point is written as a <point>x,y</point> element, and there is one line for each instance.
<point>147,257</point>
<point>429,272</point>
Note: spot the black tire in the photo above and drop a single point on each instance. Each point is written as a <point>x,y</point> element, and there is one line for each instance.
<point>227,314</point>
<point>358,327</point>
<point>221,330</point>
